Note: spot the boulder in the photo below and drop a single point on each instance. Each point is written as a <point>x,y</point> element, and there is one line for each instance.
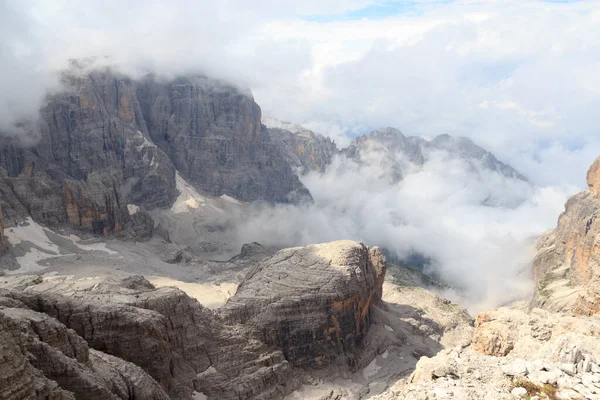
<point>313,302</point>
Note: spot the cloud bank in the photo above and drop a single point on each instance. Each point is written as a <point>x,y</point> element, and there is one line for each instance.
<point>438,210</point>
<point>517,76</point>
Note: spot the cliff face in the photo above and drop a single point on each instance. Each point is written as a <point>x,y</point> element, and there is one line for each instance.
<point>213,135</point>
<point>314,302</point>
<point>3,241</point>
<point>567,266</point>
<point>92,159</point>
<point>107,141</point>
<point>304,150</point>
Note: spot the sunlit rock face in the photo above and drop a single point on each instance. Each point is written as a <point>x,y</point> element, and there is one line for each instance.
<point>567,266</point>
<point>313,302</point>
<point>593,177</point>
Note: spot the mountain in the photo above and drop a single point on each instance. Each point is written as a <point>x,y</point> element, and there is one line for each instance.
<point>395,151</point>
<point>107,141</point>
<point>304,150</point>
<point>567,265</point>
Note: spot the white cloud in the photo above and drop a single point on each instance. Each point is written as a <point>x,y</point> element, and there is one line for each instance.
<point>426,72</point>
<point>436,210</point>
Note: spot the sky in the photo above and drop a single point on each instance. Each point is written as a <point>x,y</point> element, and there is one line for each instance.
<point>517,76</point>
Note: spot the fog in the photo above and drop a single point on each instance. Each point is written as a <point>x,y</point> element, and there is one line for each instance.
<point>477,226</point>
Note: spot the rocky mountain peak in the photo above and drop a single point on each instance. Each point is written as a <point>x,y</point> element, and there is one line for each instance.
<point>593,177</point>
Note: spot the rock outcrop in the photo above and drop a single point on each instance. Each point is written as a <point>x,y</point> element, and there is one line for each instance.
<point>313,302</point>
<point>593,177</point>
<point>143,342</point>
<point>515,353</point>
<point>212,133</point>
<point>109,338</point>
<point>3,240</point>
<point>567,266</point>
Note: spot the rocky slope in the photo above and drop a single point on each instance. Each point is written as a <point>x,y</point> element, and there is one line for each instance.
<point>107,141</point>
<point>515,353</point>
<point>567,266</point>
<point>123,338</point>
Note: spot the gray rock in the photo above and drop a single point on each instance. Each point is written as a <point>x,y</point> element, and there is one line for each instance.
<point>304,149</point>
<point>519,392</point>
<point>515,368</point>
<point>212,133</point>
<point>568,368</point>
<point>568,257</point>
<point>312,302</point>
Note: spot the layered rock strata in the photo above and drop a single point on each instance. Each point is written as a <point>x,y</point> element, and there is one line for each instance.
<point>105,338</point>
<point>312,302</point>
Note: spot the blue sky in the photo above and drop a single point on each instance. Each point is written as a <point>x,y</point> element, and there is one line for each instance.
<point>390,8</point>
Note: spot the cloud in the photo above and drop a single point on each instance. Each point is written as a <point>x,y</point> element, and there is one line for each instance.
<point>437,210</point>
<point>424,69</point>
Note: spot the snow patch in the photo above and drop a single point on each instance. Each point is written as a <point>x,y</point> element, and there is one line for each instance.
<point>132,208</point>
<point>36,235</point>
<point>199,396</point>
<point>230,200</point>
<point>388,328</point>
<point>32,232</point>
<point>189,199</point>
<point>90,247</point>
<point>146,143</point>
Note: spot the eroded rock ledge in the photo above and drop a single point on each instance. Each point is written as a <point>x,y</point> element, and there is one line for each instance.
<point>103,338</point>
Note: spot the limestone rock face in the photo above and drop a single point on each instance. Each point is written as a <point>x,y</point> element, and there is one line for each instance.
<point>52,360</point>
<point>3,240</point>
<point>304,149</point>
<point>314,302</point>
<point>125,339</point>
<point>107,141</point>
<point>567,266</point>
<point>92,158</point>
<point>213,134</point>
<point>593,177</point>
